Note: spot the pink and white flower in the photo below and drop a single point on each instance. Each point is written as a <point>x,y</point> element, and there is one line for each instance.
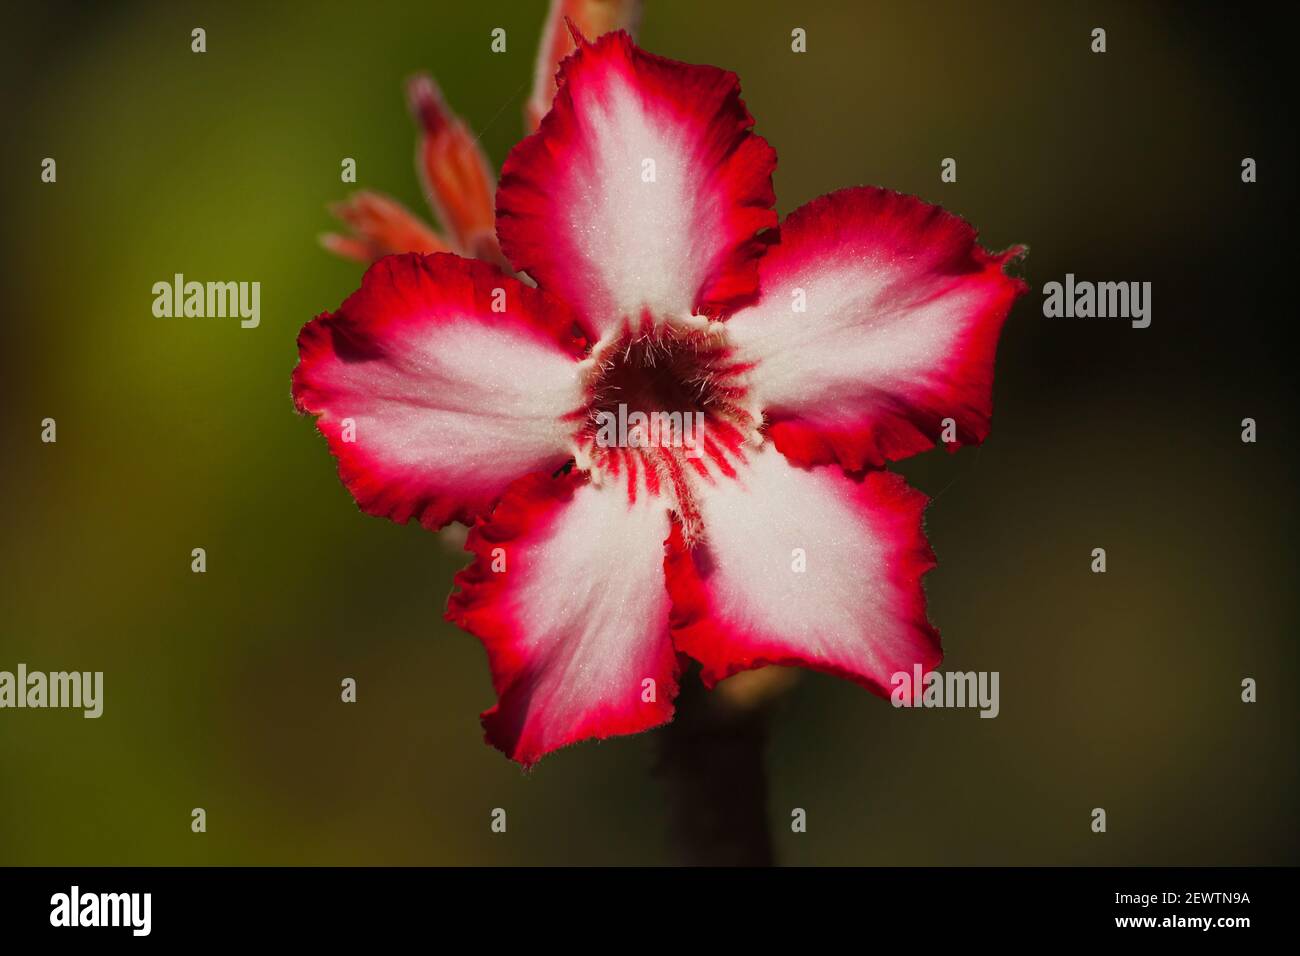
<point>642,210</point>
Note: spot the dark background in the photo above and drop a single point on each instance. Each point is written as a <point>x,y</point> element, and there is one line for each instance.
<point>1119,690</point>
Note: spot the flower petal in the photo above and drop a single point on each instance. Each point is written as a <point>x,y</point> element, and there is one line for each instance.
<point>567,595</point>
<point>591,18</point>
<point>856,609</point>
<point>903,311</point>
<point>431,401</point>
<point>380,226</point>
<point>578,212</point>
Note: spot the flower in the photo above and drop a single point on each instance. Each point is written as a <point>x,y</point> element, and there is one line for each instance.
<point>642,209</point>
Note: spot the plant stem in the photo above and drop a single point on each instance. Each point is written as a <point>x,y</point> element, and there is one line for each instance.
<point>712,763</point>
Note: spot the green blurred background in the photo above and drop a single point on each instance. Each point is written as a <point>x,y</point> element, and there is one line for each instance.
<point>222,690</point>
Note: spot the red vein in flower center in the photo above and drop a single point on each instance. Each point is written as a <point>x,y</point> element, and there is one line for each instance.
<point>666,408</point>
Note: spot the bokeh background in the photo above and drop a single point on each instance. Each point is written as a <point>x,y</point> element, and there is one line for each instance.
<point>222,690</point>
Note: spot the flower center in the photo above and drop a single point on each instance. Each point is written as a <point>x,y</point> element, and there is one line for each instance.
<point>664,405</point>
